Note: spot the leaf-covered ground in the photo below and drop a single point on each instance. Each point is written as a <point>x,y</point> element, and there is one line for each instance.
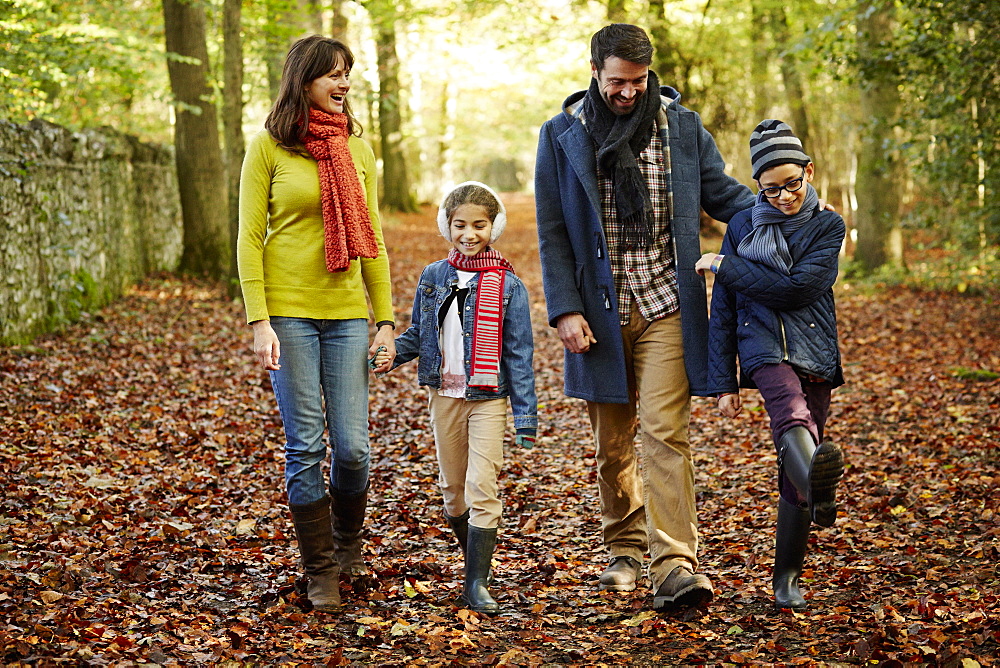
<point>142,518</point>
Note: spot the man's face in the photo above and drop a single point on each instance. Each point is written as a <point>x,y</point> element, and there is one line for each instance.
<point>621,83</point>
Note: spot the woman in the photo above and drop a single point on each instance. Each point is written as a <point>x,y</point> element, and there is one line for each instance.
<point>310,248</point>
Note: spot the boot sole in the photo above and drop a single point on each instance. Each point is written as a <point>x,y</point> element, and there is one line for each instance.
<point>694,596</point>
<point>486,610</point>
<point>617,587</point>
<point>826,471</point>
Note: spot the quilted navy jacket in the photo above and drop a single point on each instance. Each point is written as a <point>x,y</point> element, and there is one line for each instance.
<point>766,317</point>
<point>576,270</point>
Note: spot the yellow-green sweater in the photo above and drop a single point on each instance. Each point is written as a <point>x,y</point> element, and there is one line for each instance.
<point>280,253</point>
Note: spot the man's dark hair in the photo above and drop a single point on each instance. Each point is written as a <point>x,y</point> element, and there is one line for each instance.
<point>623,40</point>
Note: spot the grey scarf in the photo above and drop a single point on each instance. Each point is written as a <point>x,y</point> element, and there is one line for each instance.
<point>767,242</point>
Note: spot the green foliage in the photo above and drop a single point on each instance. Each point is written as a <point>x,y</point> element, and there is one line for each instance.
<point>980,375</point>
<point>946,53</point>
<point>949,271</point>
<point>80,63</point>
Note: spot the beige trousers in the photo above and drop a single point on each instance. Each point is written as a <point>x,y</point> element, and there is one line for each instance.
<point>469,440</point>
<point>649,505</point>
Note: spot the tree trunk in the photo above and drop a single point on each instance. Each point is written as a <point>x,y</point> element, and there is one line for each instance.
<point>288,20</point>
<point>310,16</point>
<point>232,119</point>
<point>616,11</point>
<point>397,195</point>
<point>761,54</point>
<point>790,76</point>
<point>666,56</point>
<point>878,180</point>
<point>339,23</point>
<point>200,169</point>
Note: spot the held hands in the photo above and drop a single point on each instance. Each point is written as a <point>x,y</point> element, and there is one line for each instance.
<point>525,438</point>
<point>575,332</point>
<point>382,351</point>
<point>265,345</point>
<point>730,405</point>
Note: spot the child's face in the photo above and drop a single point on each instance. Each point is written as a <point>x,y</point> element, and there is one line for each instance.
<point>787,177</point>
<point>470,229</point>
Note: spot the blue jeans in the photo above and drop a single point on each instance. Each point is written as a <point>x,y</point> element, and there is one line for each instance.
<point>323,362</point>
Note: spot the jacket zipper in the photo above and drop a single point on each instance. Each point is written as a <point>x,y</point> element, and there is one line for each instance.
<point>784,341</point>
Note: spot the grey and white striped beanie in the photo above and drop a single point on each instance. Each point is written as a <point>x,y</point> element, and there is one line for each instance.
<point>773,143</point>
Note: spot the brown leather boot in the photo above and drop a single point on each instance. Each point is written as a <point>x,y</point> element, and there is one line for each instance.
<point>315,537</point>
<point>348,519</point>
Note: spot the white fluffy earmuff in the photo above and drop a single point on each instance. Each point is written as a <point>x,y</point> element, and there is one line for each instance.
<point>498,223</point>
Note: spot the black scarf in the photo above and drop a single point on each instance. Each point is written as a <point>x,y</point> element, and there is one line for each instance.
<point>620,140</point>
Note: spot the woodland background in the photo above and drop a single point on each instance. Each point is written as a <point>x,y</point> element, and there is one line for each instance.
<point>142,519</point>
<point>896,100</point>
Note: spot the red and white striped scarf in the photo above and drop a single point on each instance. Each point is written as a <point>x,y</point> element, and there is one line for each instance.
<point>487,327</point>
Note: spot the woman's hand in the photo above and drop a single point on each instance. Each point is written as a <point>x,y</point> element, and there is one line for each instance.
<point>385,338</point>
<point>730,406</point>
<point>265,345</point>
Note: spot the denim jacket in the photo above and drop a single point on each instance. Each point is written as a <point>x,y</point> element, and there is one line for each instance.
<point>421,339</point>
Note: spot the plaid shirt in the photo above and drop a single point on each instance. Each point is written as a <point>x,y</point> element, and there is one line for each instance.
<point>649,275</point>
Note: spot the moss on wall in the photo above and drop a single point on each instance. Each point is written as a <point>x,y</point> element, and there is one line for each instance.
<point>83,216</point>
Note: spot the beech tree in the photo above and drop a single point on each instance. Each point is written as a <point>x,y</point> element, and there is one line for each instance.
<point>878,182</point>
<point>398,194</point>
<point>200,167</point>
<point>232,119</point>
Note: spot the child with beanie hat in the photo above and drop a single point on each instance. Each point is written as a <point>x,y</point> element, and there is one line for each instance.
<point>471,329</point>
<point>773,309</point>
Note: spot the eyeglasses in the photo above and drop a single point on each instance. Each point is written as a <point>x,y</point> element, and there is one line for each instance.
<point>791,186</point>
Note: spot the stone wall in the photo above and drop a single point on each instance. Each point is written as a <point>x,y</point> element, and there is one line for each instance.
<point>83,216</point>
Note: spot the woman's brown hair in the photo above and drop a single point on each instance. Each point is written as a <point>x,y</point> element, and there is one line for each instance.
<point>309,58</point>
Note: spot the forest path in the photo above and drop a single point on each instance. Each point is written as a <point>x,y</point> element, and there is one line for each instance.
<point>143,516</point>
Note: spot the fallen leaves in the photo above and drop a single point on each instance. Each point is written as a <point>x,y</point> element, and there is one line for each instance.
<point>142,519</point>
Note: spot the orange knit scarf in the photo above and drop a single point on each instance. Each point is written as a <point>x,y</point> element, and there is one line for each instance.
<point>347,225</point>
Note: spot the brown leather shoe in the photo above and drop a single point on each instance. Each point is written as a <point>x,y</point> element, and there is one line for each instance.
<point>683,588</point>
<point>621,574</point>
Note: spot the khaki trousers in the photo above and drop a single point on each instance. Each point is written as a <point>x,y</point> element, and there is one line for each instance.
<point>468,436</point>
<point>649,506</point>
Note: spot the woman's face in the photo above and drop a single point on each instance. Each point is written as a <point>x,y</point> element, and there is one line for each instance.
<point>328,92</point>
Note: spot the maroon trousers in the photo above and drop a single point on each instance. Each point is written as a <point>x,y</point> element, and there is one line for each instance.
<point>792,401</point>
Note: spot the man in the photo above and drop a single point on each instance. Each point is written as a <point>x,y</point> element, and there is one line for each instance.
<point>621,175</point>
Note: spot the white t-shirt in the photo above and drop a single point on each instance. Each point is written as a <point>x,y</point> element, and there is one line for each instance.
<point>452,343</point>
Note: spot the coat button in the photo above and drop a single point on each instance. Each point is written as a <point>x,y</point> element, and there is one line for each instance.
<point>812,325</point>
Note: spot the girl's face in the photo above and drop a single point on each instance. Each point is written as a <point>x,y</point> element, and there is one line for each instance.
<point>327,93</point>
<point>785,178</point>
<point>471,228</point>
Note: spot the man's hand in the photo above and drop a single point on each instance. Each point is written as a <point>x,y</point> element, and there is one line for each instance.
<point>575,332</point>
<point>730,406</point>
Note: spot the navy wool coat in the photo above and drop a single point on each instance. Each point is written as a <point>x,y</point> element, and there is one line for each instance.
<point>576,271</point>
<point>767,317</point>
